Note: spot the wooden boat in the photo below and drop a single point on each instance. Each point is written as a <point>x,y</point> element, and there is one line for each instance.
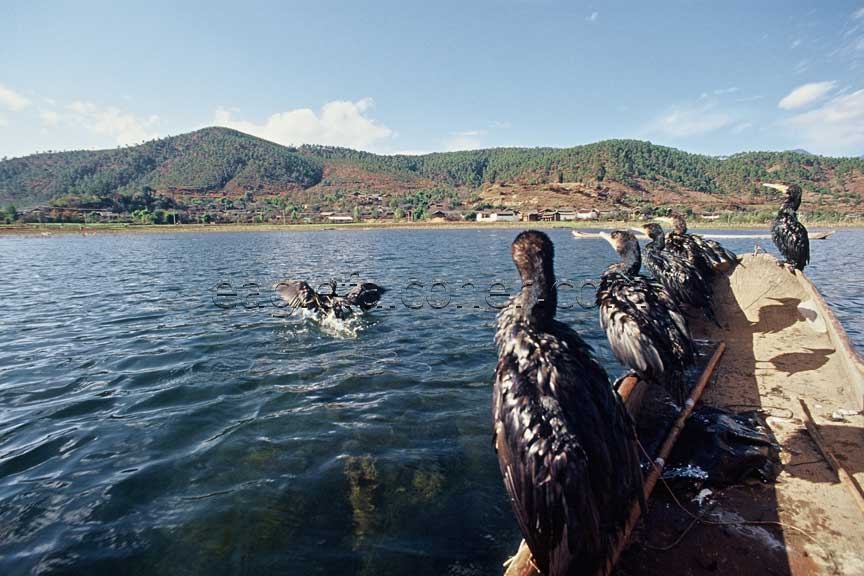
<point>811,235</point>
<point>787,355</point>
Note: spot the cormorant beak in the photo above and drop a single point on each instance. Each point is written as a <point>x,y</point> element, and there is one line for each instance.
<point>781,187</point>
<point>606,236</point>
<point>639,230</point>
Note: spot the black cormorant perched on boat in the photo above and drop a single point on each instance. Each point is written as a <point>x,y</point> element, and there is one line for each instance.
<point>707,255</point>
<point>678,275</point>
<point>646,330</point>
<point>565,442</point>
<point>789,235</point>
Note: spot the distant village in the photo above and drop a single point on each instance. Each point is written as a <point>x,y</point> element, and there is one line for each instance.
<point>216,209</point>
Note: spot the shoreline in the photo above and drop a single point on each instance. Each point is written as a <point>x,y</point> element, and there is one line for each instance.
<point>92,229</point>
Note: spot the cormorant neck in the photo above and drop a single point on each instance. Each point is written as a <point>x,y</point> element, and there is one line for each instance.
<point>631,261</point>
<point>539,298</point>
<point>657,243</point>
<point>792,203</point>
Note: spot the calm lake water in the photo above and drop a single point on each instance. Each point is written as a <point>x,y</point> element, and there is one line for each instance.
<point>145,430</point>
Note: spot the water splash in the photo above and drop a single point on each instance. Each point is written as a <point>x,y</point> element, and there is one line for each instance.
<point>328,324</point>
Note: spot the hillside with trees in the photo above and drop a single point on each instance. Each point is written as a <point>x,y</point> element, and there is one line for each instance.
<point>213,159</point>
<point>217,174</point>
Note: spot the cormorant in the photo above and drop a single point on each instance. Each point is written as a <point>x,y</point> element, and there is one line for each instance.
<point>789,235</point>
<point>707,255</point>
<point>565,442</point>
<point>646,330</point>
<point>299,294</point>
<point>678,275</point>
<point>365,295</point>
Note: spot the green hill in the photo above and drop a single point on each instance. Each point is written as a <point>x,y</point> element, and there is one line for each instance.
<point>217,162</point>
<point>206,160</point>
<point>629,162</point>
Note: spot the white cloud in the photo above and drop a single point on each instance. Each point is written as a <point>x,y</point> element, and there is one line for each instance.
<point>466,140</point>
<point>123,127</point>
<point>499,124</point>
<point>836,127</point>
<point>724,91</point>
<point>338,123</point>
<point>795,43</point>
<point>805,95</point>
<point>692,119</point>
<point>3,121</point>
<point>753,98</point>
<point>11,100</point>
<point>858,14</point>
<point>741,127</point>
<point>593,17</point>
<point>49,118</point>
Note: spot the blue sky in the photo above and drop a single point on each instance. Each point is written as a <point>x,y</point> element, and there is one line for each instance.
<point>707,77</point>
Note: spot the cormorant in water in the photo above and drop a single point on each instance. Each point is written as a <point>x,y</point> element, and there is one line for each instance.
<point>678,275</point>
<point>789,235</point>
<point>565,442</point>
<point>645,327</point>
<point>365,295</point>
<point>707,255</point>
<point>298,294</point>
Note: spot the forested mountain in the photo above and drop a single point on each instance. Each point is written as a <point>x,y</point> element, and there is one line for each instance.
<point>223,162</point>
<point>629,162</point>
<point>206,160</point>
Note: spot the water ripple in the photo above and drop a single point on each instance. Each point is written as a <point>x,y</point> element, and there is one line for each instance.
<point>145,430</point>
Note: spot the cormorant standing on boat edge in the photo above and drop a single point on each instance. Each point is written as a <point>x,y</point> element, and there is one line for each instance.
<point>707,255</point>
<point>678,275</point>
<point>565,442</point>
<point>789,235</point>
<point>645,328</point>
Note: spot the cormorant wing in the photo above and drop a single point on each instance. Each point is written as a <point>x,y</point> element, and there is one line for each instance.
<point>540,477</point>
<point>626,316</point>
<point>715,253</point>
<point>790,237</point>
<point>365,295</point>
<point>297,294</point>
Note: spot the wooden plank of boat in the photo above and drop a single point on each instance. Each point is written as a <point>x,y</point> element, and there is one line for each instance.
<point>783,343</point>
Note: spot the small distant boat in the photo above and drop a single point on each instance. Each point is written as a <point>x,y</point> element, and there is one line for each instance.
<point>811,235</point>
